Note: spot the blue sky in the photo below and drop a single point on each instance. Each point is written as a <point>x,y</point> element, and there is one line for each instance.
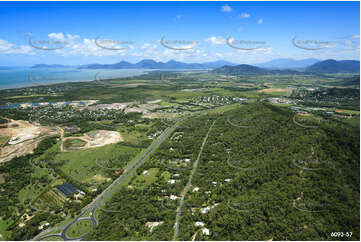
<point>199,29</point>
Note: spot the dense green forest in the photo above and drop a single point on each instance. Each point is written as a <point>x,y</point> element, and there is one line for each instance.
<point>260,177</point>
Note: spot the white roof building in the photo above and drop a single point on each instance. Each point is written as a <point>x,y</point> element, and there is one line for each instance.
<point>205,231</point>
<point>199,224</point>
<point>145,172</point>
<point>172,197</point>
<point>196,189</point>
<point>171,181</point>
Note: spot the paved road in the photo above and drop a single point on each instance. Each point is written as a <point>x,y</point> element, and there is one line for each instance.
<point>189,184</point>
<point>97,202</point>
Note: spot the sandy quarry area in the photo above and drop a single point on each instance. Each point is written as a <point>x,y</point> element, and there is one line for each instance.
<point>94,139</point>
<point>23,138</point>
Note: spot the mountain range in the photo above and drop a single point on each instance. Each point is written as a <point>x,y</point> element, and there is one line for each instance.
<point>322,67</point>
<point>277,66</point>
<point>251,70</point>
<point>287,63</point>
<point>151,64</point>
<point>333,66</point>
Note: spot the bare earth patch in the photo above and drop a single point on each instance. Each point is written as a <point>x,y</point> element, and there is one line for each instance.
<point>24,138</point>
<point>304,114</point>
<point>97,139</point>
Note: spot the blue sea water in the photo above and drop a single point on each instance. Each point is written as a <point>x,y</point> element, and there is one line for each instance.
<point>27,77</point>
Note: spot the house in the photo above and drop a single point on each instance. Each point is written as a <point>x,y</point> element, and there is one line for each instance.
<point>196,189</point>
<point>145,172</point>
<point>152,225</point>
<point>172,197</point>
<point>205,210</point>
<point>176,175</point>
<point>227,180</point>
<point>199,224</point>
<point>205,231</point>
<point>171,181</point>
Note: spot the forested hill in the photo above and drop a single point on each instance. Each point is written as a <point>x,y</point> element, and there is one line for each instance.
<point>249,70</point>
<point>333,66</point>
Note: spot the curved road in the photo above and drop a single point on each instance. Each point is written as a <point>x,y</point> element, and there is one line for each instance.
<point>97,202</point>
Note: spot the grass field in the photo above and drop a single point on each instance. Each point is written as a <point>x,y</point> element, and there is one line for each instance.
<point>81,164</point>
<point>53,238</point>
<point>144,180</point>
<point>49,199</point>
<point>32,191</point>
<point>80,228</point>
<point>3,225</point>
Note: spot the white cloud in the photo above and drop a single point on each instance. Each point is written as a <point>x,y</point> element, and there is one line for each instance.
<point>10,48</point>
<point>226,8</point>
<point>245,15</point>
<point>57,36</point>
<point>260,21</point>
<point>216,40</point>
<point>179,17</point>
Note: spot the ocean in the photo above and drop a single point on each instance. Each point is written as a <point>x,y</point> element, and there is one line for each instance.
<point>27,77</point>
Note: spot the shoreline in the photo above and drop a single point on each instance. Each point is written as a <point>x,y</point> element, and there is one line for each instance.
<point>32,84</point>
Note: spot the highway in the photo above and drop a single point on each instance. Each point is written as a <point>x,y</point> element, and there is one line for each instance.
<point>98,201</point>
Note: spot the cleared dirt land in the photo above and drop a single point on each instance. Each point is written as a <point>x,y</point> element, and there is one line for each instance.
<point>91,139</point>
<point>23,138</point>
